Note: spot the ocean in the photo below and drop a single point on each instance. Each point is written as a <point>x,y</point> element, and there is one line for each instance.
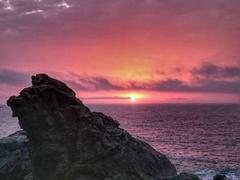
<point>198,138</point>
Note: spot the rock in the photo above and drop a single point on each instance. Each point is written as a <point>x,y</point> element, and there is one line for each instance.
<point>182,176</point>
<point>28,177</point>
<point>220,177</point>
<point>14,158</point>
<point>69,142</point>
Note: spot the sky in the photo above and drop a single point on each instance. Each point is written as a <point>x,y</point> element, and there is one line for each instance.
<point>124,51</point>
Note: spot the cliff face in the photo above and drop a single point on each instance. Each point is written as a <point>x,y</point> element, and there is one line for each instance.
<point>69,142</point>
<point>14,157</point>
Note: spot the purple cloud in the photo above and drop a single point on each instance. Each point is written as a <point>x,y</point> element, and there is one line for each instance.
<point>208,84</point>
<point>212,71</point>
<point>105,97</point>
<point>94,84</point>
<point>207,78</point>
<point>13,78</point>
<point>169,85</point>
<point>30,19</point>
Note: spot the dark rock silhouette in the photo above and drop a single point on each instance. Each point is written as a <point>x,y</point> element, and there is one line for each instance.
<point>182,176</point>
<point>220,177</point>
<point>15,161</point>
<point>69,142</point>
<point>14,158</point>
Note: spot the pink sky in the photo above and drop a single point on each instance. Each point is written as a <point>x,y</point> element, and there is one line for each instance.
<point>177,51</point>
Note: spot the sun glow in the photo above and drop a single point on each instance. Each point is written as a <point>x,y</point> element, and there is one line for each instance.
<point>133,98</point>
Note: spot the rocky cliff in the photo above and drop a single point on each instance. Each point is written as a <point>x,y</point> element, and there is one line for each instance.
<point>69,142</point>
<point>15,163</point>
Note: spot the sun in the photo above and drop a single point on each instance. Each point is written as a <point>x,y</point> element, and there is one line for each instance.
<point>133,98</point>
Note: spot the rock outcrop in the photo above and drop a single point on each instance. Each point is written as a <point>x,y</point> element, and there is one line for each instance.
<point>182,176</point>
<point>14,157</point>
<point>220,177</point>
<point>69,142</point>
<point>15,161</point>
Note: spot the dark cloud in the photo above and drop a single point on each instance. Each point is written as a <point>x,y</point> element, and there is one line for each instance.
<point>218,86</point>
<point>30,19</point>
<point>169,85</point>
<point>44,19</point>
<point>208,78</point>
<point>206,86</point>
<point>94,84</point>
<point>208,70</point>
<point>105,97</point>
<point>13,78</point>
<point>86,83</point>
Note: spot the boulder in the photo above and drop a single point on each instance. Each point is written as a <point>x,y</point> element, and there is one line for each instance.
<point>182,176</point>
<point>220,177</point>
<point>15,163</point>
<point>69,142</point>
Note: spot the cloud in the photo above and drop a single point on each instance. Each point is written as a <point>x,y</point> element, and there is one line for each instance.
<point>108,18</point>
<point>13,78</point>
<point>207,78</point>
<point>105,97</point>
<point>218,86</point>
<point>169,85</point>
<point>212,71</point>
<point>206,86</point>
<point>93,84</point>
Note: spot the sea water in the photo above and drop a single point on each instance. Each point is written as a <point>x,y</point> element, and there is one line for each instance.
<point>198,138</point>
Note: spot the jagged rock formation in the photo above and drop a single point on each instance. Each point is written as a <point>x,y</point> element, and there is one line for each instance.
<point>14,158</point>
<point>69,142</point>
